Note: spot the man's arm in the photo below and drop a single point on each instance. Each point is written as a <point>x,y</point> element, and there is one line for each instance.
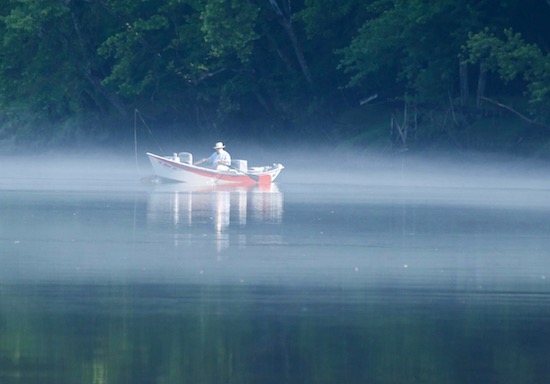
<point>205,159</point>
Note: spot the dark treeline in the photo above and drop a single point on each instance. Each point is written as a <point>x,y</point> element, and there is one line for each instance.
<point>402,73</point>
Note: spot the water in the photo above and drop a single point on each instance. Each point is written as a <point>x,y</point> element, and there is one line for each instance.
<point>392,276</point>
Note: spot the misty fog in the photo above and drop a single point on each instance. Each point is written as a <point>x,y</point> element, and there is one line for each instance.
<point>446,179</point>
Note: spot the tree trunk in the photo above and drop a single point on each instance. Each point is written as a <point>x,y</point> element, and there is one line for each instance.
<point>286,22</point>
<point>481,84</point>
<point>464,88</point>
<point>287,25</point>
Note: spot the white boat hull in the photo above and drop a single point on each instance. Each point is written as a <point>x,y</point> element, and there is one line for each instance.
<point>170,168</point>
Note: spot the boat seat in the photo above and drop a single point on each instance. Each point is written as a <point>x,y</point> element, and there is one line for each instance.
<point>186,157</point>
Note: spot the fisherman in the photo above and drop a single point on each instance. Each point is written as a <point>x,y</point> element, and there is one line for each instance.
<point>220,160</point>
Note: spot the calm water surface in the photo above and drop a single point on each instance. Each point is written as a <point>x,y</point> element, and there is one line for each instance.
<point>105,279</point>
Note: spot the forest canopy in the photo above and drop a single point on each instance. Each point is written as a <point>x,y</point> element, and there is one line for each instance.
<point>400,73</point>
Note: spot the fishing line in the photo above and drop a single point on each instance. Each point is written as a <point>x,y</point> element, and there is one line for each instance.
<point>135,144</point>
<point>136,114</point>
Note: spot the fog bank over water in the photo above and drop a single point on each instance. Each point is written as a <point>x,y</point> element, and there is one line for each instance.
<point>308,167</point>
<point>464,179</point>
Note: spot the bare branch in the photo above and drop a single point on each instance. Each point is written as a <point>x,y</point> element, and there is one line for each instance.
<point>508,108</point>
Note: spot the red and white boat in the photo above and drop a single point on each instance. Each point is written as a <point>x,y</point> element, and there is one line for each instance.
<point>180,168</point>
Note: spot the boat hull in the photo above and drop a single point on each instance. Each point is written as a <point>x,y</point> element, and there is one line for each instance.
<point>174,170</point>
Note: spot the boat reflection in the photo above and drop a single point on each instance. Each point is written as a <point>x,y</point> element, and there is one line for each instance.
<point>189,209</point>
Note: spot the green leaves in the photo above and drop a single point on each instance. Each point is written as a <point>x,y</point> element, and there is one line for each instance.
<point>412,44</point>
<point>30,50</point>
<point>265,59</point>
<point>509,56</point>
<point>513,58</point>
<point>135,51</point>
<point>228,27</point>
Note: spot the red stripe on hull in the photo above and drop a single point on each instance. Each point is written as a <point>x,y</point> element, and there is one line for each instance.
<point>207,174</point>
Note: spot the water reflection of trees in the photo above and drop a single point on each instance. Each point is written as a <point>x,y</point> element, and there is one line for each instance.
<point>218,208</point>
<point>204,334</point>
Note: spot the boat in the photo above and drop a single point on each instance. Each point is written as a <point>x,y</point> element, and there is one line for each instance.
<point>179,167</point>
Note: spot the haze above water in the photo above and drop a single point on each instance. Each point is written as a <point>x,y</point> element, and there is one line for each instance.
<point>351,268</point>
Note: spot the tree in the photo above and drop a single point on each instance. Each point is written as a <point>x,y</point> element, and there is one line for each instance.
<point>31,48</point>
<point>283,15</point>
<point>186,54</point>
<point>511,58</point>
<point>48,69</point>
<point>228,27</point>
<point>329,26</point>
<point>409,47</point>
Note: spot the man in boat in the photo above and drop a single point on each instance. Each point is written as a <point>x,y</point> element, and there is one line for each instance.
<point>220,160</point>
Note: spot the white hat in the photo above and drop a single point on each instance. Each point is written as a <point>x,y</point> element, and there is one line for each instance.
<point>219,145</point>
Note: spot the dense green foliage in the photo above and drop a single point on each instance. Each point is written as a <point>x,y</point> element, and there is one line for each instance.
<point>79,68</point>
